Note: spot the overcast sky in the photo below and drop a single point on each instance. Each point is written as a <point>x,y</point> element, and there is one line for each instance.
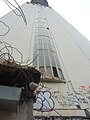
<point>76,12</point>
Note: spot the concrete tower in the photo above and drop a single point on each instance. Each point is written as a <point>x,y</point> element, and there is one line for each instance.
<point>49,43</point>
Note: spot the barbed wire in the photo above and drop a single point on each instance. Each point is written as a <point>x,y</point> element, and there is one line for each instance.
<point>21,14</point>
<point>6,52</point>
<point>18,8</point>
<point>5,26</point>
<point>7,58</point>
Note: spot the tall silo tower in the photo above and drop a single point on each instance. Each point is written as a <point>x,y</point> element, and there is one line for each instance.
<point>59,52</point>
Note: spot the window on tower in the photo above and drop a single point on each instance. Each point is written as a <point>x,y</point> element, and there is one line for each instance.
<point>47,61</point>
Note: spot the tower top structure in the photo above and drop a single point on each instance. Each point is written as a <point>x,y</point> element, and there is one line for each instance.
<point>42,2</point>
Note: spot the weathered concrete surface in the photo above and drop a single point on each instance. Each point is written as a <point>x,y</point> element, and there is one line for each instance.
<point>25,113</point>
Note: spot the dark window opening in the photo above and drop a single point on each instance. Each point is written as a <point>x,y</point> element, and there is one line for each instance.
<point>55,72</point>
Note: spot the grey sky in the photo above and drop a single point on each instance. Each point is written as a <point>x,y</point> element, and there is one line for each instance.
<point>76,12</point>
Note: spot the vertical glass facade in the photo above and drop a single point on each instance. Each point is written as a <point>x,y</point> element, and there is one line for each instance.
<point>47,61</point>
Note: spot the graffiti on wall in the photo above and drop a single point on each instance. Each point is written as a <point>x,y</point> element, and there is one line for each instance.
<point>44,102</point>
<point>84,89</point>
<point>80,99</point>
<point>47,100</point>
<point>65,101</point>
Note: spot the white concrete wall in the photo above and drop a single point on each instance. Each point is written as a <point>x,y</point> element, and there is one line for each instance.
<point>20,34</point>
<point>72,47</point>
